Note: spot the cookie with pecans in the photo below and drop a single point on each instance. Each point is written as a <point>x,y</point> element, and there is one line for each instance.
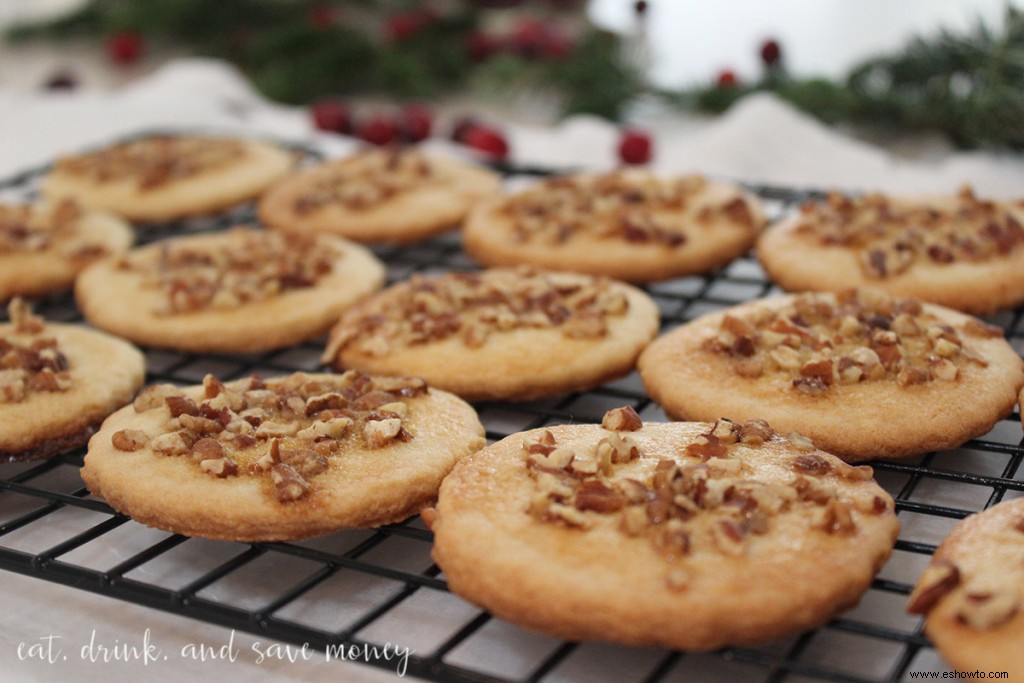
<point>239,291</point>
<point>284,458</point>
<point>43,246</point>
<point>973,592</point>
<point>380,195</point>
<point>629,225</point>
<point>58,382</point>
<point>162,178</point>
<point>507,334</point>
<point>962,252</point>
<point>863,374</point>
<point>685,535</point>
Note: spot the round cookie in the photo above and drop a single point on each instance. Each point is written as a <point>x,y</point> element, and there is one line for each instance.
<point>238,291</point>
<point>961,252</point>
<point>683,535</point>
<point>862,374</point>
<point>972,592</point>
<point>506,334</point>
<point>381,195</point>
<point>43,246</point>
<point>628,225</point>
<point>285,458</point>
<point>58,382</point>
<point>162,178</point>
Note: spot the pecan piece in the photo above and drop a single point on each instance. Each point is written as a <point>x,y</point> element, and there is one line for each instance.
<point>559,512</point>
<point>707,446</point>
<point>200,425</point>
<point>910,376</point>
<point>306,461</point>
<point>976,328</point>
<point>756,432</point>
<point>987,610</point>
<point>181,405</point>
<point>598,497</point>
<point>623,419</point>
<point>557,458</point>
<point>171,443</point>
<point>812,464</point>
<point>129,439</point>
<point>219,467</point>
<point>801,442</point>
<point>379,433</point>
<point>207,449</point>
<point>288,484</point>
<point>333,428</point>
<point>835,518</point>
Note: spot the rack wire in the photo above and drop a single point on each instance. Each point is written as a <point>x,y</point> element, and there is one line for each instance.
<point>375,587</point>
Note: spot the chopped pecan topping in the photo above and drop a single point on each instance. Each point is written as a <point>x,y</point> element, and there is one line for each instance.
<point>51,226</point>
<point>129,439</point>
<point>706,447</point>
<point>812,464</point>
<point>984,610</point>
<point>473,307</point>
<point>557,458</point>
<point>801,442</point>
<point>288,483</point>
<point>207,449</point>
<point>683,507</point>
<point>615,206</point>
<point>289,428</point>
<point>30,362</point>
<point>171,443</point>
<point>154,396</point>
<point>219,467</point>
<point>155,161</point>
<point>824,341</point>
<point>892,238</point>
<point>599,497</point>
<point>616,448</point>
<point>976,328</point>
<point>835,518</point>
<point>380,433</point>
<point>367,180</point>
<point>240,267</point>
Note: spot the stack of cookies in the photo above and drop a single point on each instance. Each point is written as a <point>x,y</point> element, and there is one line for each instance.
<point>636,532</point>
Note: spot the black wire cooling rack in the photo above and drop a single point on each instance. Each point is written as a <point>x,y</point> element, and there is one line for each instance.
<point>374,587</point>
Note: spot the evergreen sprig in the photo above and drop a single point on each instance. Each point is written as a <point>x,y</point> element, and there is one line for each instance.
<point>969,86</point>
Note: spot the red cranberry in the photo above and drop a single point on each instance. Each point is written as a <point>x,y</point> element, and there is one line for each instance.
<point>405,25</point>
<point>635,147</point>
<point>332,115</point>
<point>321,16</point>
<point>727,78</point>
<point>557,46</point>
<point>771,53</point>
<point>481,46</point>
<point>415,123</point>
<point>124,48</point>
<point>530,38</point>
<point>487,140</point>
<point>461,127</point>
<point>379,130</point>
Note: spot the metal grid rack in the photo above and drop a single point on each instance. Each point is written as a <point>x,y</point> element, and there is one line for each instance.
<point>366,587</point>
